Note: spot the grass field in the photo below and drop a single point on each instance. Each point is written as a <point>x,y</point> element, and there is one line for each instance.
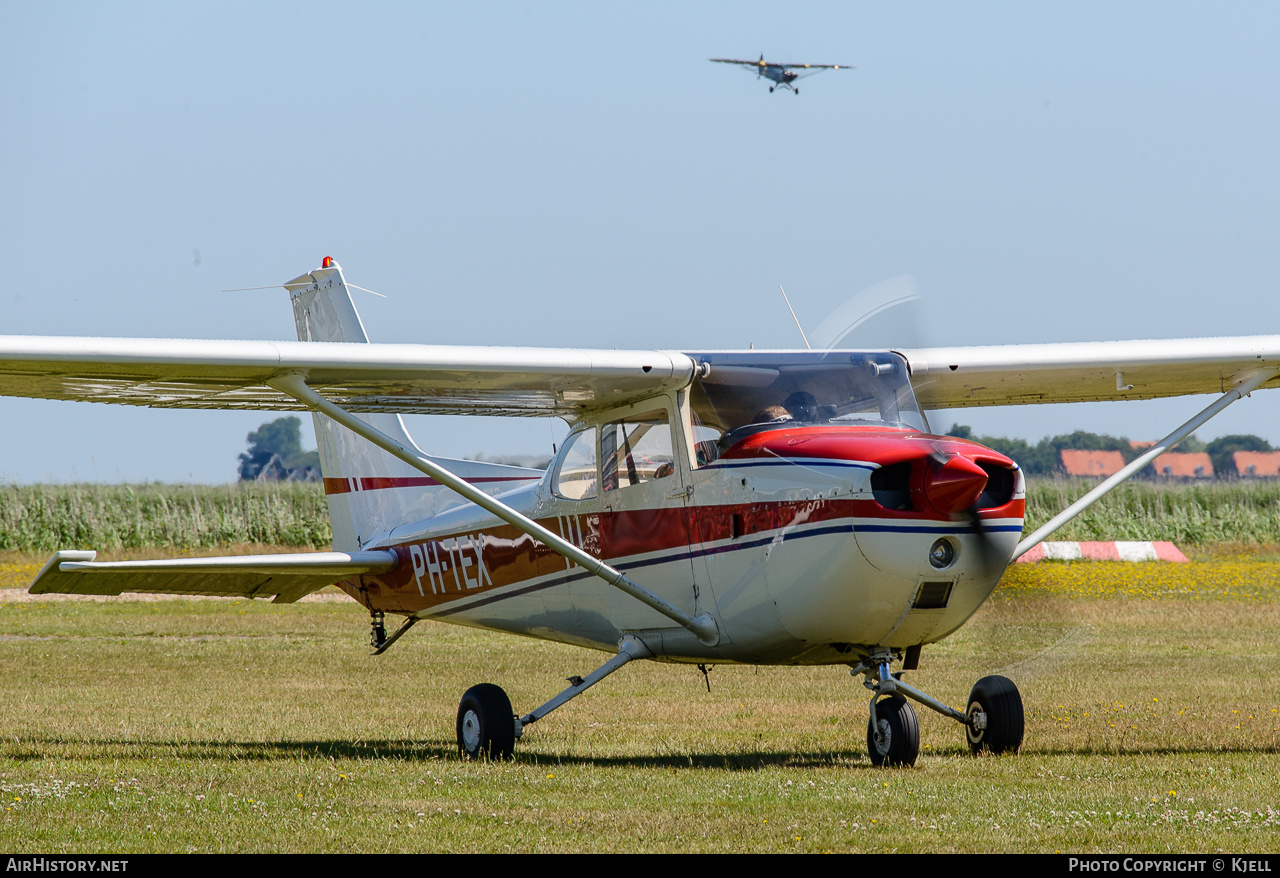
<point>1152,695</point>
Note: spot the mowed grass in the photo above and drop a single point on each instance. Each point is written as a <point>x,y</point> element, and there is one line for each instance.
<point>1151,691</point>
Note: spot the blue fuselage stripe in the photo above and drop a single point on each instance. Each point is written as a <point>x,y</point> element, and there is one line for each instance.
<point>689,554</point>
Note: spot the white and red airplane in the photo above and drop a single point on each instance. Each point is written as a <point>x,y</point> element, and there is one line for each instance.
<point>761,507</point>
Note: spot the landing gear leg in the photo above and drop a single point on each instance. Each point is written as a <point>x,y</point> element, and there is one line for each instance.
<point>893,733</point>
<point>487,727</point>
<point>994,721</point>
<point>628,648</point>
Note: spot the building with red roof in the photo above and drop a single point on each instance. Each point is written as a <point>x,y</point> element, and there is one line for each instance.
<point>1090,464</point>
<point>1183,465</point>
<point>1257,464</point>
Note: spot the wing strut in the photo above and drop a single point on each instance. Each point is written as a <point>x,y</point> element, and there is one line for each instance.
<point>1244,388</point>
<point>702,625</point>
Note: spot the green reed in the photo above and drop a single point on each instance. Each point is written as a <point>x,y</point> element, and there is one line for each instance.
<point>1191,514</point>
<point>41,518</point>
<point>49,517</point>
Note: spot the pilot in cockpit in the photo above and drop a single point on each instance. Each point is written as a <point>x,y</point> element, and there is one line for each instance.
<point>802,406</point>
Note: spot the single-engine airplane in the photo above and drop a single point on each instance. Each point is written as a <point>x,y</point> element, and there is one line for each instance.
<point>758,507</point>
<point>781,74</point>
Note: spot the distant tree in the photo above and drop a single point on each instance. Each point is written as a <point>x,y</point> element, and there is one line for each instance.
<point>1192,445</point>
<point>1043,458</point>
<point>279,440</point>
<point>1086,441</point>
<point>1040,459</point>
<point>1221,449</point>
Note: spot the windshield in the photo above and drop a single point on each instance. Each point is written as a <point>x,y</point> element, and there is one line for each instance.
<point>743,392</point>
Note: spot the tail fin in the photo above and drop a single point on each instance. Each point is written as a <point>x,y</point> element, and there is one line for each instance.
<point>369,491</point>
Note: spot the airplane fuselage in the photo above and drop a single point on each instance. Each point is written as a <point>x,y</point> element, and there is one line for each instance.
<point>780,75</point>
<point>783,539</point>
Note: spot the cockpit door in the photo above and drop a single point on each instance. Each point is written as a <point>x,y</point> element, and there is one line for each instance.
<point>644,520</point>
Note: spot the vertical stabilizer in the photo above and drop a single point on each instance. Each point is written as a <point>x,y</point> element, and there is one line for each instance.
<point>322,306</point>
<point>369,491</point>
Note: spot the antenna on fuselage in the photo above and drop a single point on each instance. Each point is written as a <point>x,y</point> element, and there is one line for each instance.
<point>795,318</point>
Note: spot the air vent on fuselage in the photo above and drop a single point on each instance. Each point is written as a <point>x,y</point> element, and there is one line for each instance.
<point>1000,483</point>
<point>933,596</point>
<point>891,486</point>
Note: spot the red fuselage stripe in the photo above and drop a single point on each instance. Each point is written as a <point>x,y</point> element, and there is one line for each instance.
<point>440,569</point>
<point>379,483</point>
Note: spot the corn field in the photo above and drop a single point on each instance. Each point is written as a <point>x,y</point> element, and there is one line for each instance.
<point>1187,514</point>
<point>44,518</point>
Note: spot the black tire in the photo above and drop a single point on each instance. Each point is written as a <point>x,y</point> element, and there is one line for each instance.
<point>998,698</point>
<point>900,742</point>
<point>486,723</point>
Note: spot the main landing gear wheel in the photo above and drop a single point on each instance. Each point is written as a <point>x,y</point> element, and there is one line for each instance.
<point>486,723</point>
<point>998,698</point>
<point>894,737</point>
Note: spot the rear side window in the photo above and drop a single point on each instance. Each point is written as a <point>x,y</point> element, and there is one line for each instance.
<point>576,477</point>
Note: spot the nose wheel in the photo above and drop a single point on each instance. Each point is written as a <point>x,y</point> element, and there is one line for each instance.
<point>994,721</point>
<point>893,733</point>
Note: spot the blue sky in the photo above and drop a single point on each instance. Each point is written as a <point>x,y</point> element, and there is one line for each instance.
<point>577,174</point>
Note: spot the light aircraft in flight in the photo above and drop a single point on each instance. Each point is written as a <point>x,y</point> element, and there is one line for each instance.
<point>781,74</point>
<point>756,507</point>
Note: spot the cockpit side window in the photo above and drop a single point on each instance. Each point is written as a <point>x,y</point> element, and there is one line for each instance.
<point>576,476</point>
<point>636,450</point>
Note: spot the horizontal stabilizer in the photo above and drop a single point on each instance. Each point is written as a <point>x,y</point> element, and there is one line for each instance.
<point>284,577</point>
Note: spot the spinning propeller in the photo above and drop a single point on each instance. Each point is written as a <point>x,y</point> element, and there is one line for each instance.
<point>891,315</point>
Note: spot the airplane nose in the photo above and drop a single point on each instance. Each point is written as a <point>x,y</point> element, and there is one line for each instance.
<point>953,483</point>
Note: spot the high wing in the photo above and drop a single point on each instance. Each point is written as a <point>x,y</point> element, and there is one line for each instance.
<point>439,379</point>
<point>814,67</point>
<point>430,379</point>
<point>284,577</point>
<point>413,379</point>
<point>758,65</point>
<point>1087,371</point>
